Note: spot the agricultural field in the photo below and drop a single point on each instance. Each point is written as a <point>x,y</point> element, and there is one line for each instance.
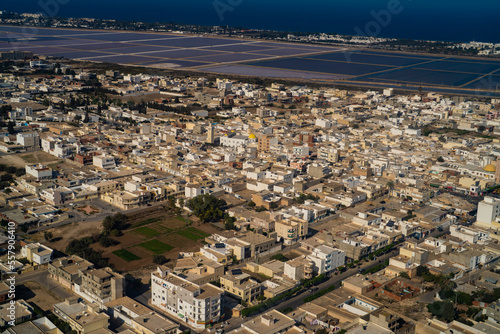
<point>156,246</point>
<point>126,255</point>
<point>152,233</point>
<point>193,233</point>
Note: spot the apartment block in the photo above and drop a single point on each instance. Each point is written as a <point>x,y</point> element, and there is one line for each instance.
<point>198,305</point>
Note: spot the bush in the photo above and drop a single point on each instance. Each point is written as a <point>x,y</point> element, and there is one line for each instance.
<point>107,241</point>
<point>48,235</point>
<point>116,233</point>
<point>116,222</point>
<point>404,274</point>
<point>159,259</point>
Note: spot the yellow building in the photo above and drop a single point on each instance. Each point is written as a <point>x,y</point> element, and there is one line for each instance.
<point>292,230</point>
<point>241,285</point>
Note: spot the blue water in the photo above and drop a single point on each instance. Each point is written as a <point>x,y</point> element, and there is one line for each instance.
<point>447,20</point>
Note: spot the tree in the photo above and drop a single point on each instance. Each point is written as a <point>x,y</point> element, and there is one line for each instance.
<point>10,128</point>
<point>86,118</point>
<point>421,271</point>
<point>116,222</point>
<point>159,259</point>
<point>404,274</point>
<point>449,313</point>
<point>48,235</point>
<point>443,310</point>
<point>229,222</point>
<point>440,159</point>
<point>106,241</point>
<point>207,208</point>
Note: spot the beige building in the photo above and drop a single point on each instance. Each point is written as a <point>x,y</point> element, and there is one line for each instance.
<point>271,322</point>
<point>82,318</point>
<point>292,230</point>
<point>66,270</point>
<point>241,285</point>
<point>299,268</point>
<point>139,318</point>
<point>358,284</point>
<point>102,285</point>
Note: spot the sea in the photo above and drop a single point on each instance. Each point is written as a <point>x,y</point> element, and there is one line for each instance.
<point>439,20</point>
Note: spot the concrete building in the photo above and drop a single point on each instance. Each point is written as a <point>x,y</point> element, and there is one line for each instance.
<point>488,211</point>
<point>299,268</point>
<point>265,143</point>
<point>326,259</point>
<point>22,312</point>
<point>241,286</point>
<point>271,322</point>
<point>102,285</point>
<point>67,270</point>
<point>139,318</point>
<point>329,154</point>
<point>82,318</point>
<point>104,161</point>
<point>31,139</point>
<point>198,305</point>
<point>37,253</point>
<point>39,171</point>
<point>292,230</point>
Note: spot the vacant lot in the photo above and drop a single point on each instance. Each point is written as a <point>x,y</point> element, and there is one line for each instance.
<point>37,294</point>
<point>21,159</point>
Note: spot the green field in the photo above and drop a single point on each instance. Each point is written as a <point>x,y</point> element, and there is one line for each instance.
<point>193,233</point>
<point>156,246</point>
<point>147,221</point>
<point>182,219</point>
<point>146,231</point>
<point>126,255</point>
<point>163,229</point>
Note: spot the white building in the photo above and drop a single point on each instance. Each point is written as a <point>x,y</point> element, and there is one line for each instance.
<point>37,253</point>
<point>234,141</point>
<point>104,161</point>
<point>468,234</point>
<point>326,258</point>
<point>488,211</point>
<point>31,139</point>
<point>197,305</point>
<point>39,171</point>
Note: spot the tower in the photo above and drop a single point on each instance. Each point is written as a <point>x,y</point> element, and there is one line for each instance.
<point>210,134</point>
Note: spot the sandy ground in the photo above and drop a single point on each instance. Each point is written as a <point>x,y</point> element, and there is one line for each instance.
<point>21,159</point>
<point>35,293</point>
<point>64,234</point>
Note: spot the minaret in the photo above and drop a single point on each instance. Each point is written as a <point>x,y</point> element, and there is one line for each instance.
<point>210,134</point>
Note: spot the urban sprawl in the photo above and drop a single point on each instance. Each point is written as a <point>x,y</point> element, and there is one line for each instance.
<point>155,204</point>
